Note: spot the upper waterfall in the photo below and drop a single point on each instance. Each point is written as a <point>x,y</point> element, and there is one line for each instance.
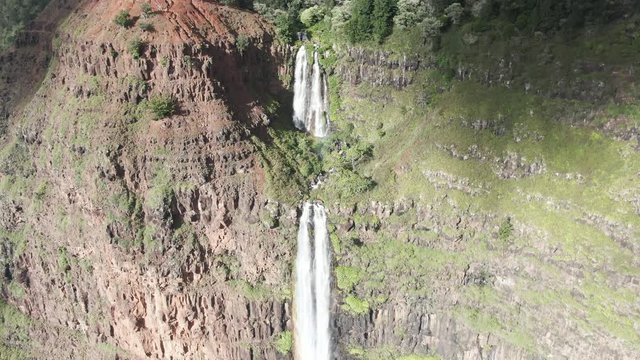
<point>313,286</point>
<point>310,101</point>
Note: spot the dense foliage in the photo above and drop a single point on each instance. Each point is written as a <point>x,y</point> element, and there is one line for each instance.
<point>375,20</point>
<point>14,15</point>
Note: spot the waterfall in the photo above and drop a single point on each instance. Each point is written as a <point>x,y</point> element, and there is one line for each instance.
<point>313,286</point>
<point>300,90</point>
<point>310,102</point>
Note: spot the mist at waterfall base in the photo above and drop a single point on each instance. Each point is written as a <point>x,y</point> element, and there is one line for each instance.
<point>310,103</point>
<point>313,288</point>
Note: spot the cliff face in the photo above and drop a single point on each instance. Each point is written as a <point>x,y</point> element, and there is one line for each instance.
<point>489,233</point>
<point>480,238</point>
<point>139,234</point>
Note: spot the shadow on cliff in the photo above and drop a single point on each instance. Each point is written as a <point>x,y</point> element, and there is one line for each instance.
<point>23,67</point>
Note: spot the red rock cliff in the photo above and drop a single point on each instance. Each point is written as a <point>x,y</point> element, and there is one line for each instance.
<point>141,237</point>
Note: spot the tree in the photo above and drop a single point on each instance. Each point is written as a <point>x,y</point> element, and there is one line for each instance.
<point>382,18</point>
<point>409,13</point>
<point>359,27</point>
<point>311,15</point>
<point>454,12</point>
<point>285,27</point>
<point>431,27</point>
<point>340,15</point>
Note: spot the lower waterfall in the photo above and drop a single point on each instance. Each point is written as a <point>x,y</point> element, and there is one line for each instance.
<point>313,286</point>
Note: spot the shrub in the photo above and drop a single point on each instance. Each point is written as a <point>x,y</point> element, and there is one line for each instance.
<point>123,19</point>
<point>349,183</point>
<point>356,306</point>
<point>347,277</point>
<point>162,106</point>
<point>187,61</point>
<point>164,61</point>
<point>145,26</point>
<point>284,343</point>
<point>147,10</point>
<point>242,42</point>
<point>506,229</point>
<point>136,47</point>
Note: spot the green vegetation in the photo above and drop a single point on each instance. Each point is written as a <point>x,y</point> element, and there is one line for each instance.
<point>242,42</point>
<point>286,27</point>
<point>419,357</point>
<point>347,277</point>
<point>14,16</point>
<point>254,292</point>
<point>14,333</point>
<point>284,342</point>
<point>160,191</point>
<point>359,27</point>
<point>424,143</point>
<point>136,48</point>
<point>64,264</point>
<point>247,4</point>
<point>312,15</point>
<point>162,106</point>
<point>146,10</point>
<point>290,162</point>
<point>355,305</point>
<point>146,27</point>
<point>123,19</point>
<point>506,229</point>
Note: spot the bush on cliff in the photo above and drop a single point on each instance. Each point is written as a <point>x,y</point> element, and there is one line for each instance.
<point>123,19</point>
<point>147,10</point>
<point>162,106</point>
<point>284,343</point>
<point>136,47</point>
<point>242,42</point>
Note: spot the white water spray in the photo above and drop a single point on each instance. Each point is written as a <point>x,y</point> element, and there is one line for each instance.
<point>313,286</point>
<point>310,104</point>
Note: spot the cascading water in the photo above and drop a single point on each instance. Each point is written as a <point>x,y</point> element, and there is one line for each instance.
<point>310,104</point>
<point>313,286</point>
